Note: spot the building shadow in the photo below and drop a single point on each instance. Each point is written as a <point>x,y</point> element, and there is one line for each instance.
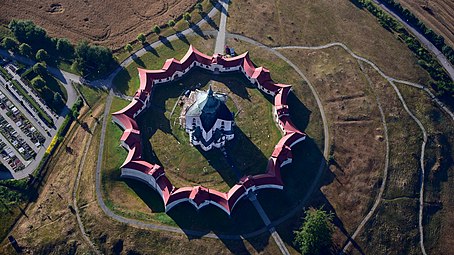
<point>147,194</point>
<point>299,113</point>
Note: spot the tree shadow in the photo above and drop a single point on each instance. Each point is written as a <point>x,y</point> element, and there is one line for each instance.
<point>221,8</point>
<point>137,60</point>
<point>150,48</point>
<point>166,42</point>
<point>209,21</point>
<point>182,37</point>
<point>121,81</point>
<point>197,30</point>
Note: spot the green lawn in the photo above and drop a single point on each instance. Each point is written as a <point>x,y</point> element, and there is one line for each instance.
<point>91,95</point>
<point>127,80</point>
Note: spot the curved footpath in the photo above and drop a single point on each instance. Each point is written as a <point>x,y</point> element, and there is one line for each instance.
<point>74,195</point>
<point>418,122</point>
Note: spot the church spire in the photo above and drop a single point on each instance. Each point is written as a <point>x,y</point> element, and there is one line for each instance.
<point>210,91</point>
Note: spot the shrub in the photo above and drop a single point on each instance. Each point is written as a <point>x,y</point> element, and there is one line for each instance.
<point>141,38</point>
<point>41,55</point>
<point>157,29</point>
<point>25,50</point>
<point>9,43</point>
<point>128,47</point>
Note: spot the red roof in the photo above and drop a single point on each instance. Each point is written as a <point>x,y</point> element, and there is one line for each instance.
<point>128,123</point>
<point>199,194</point>
<point>131,137</point>
<point>131,108</point>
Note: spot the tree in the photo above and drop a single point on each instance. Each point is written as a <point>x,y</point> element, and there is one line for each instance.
<point>92,59</point>
<point>141,37</point>
<point>187,17</point>
<point>65,48</point>
<point>315,236</point>
<point>40,68</point>
<point>9,43</point>
<point>75,114</point>
<point>171,23</point>
<point>26,31</point>
<point>41,55</point>
<point>157,29</point>
<point>38,82</point>
<point>199,7</point>
<point>25,50</point>
<point>58,100</point>
<point>128,47</point>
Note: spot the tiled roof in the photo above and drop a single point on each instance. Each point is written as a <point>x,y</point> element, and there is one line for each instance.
<point>199,196</point>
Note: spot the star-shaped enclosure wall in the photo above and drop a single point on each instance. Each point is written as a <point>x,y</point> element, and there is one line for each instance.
<point>154,175</point>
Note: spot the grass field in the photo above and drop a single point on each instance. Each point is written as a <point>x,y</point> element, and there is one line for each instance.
<point>399,204</point>
<point>50,215</point>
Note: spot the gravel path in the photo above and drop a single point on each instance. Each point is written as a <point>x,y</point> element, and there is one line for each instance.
<point>75,190</point>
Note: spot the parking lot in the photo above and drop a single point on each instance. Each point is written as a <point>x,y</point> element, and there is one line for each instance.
<point>24,136</point>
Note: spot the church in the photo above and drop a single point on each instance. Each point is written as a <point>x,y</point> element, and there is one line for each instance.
<point>208,121</point>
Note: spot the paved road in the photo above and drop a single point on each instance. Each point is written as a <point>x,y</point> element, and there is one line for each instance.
<point>441,58</point>
<point>220,39</point>
<point>252,197</point>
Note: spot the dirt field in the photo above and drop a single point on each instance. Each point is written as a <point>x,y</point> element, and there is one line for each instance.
<point>105,22</point>
<point>313,23</point>
<point>50,226</point>
<point>436,14</point>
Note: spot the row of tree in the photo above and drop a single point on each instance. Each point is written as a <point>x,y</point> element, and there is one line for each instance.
<point>433,37</point>
<point>32,41</point>
<point>442,82</point>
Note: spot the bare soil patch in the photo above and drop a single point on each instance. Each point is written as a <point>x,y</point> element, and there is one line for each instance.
<point>436,14</point>
<point>106,22</point>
